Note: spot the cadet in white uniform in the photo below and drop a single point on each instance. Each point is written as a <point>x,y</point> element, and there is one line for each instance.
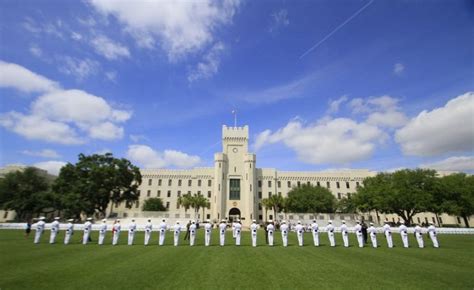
<point>373,235</point>
<point>315,231</point>
<point>330,230</point>
<point>432,234</point>
<point>69,231</point>
<point>87,231</point>
<point>345,234</point>
<point>116,230</point>
<point>238,232</point>
<point>358,232</point>
<point>207,234</point>
<point>299,233</point>
<point>163,228</point>
<point>233,229</point>
<point>54,230</point>
<point>284,233</point>
<point>388,234</point>
<point>253,232</point>
<point>222,229</point>
<point>39,229</point>
<point>404,234</point>
<point>192,233</point>
<point>148,229</point>
<point>102,231</point>
<point>270,232</point>
<point>419,236</point>
<point>177,231</point>
<point>132,227</point>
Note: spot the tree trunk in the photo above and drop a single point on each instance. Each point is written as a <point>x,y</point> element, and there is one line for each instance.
<point>437,219</point>
<point>203,209</point>
<point>466,221</point>
<point>111,208</point>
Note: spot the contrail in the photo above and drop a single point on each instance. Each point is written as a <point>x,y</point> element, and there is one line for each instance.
<point>337,28</point>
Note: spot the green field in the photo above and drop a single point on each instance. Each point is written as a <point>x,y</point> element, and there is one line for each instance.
<point>24,265</point>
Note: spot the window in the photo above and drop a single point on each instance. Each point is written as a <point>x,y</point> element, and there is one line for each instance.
<point>179,193</point>
<point>298,184</point>
<point>279,184</point>
<point>271,216</point>
<point>259,183</point>
<point>177,205</point>
<point>209,182</point>
<point>250,187</point>
<point>433,219</point>
<point>190,182</point>
<point>208,194</point>
<point>419,221</point>
<point>148,193</point>
<point>234,189</point>
<point>260,217</point>
<point>308,183</point>
<point>440,220</point>
<point>167,204</point>
<point>318,183</point>
<point>347,185</point>
<point>459,220</point>
<point>170,182</point>
<point>328,184</point>
<point>338,195</point>
<point>199,182</point>
<point>208,216</point>
<point>337,185</point>
<point>270,194</point>
<point>235,169</point>
<point>159,182</point>
<point>426,220</point>
<point>137,204</point>
<point>158,193</point>
<point>199,192</point>
<point>168,194</point>
<point>259,194</point>
<point>269,183</point>
<point>259,206</point>
<point>357,184</point>
<point>189,192</point>
<point>289,184</point>
<point>149,181</point>
<point>179,182</point>
<point>219,187</point>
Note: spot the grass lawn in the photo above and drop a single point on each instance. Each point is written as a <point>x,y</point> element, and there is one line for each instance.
<point>24,265</point>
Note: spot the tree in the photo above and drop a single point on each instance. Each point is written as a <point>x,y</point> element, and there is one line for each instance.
<point>311,199</point>
<point>96,182</point>
<point>266,204</point>
<point>26,192</point>
<point>185,201</point>
<point>153,204</point>
<point>346,205</point>
<point>198,201</point>
<point>459,195</point>
<point>276,203</point>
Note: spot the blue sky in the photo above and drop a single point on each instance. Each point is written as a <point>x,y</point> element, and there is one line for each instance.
<point>322,85</point>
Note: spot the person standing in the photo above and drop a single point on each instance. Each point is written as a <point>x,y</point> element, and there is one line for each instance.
<point>192,233</point>
<point>163,228</point>
<point>315,231</point>
<point>330,231</point>
<point>148,229</point>
<point>238,232</point>
<point>207,234</point>
<point>233,229</point>
<point>132,227</point>
<point>186,236</point>
<point>69,231</point>
<point>299,233</point>
<point>388,234</point>
<point>404,234</point>
<point>39,229</point>
<point>116,232</point>
<point>177,231</point>
<point>222,229</point>
<point>345,234</point>
<point>102,231</point>
<point>270,231</point>
<point>27,229</point>
<point>253,232</point>
<point>284,233</point>
<point>54,230</point>
<point>373,235</point>
<point>419,236</point>
<point>364,232</point>
<point>432,234</point>
<point>358,232</point>
<point>87,231</point>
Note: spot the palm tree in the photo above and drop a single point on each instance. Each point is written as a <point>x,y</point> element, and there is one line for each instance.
<point>276,203</point>
<point>267,204</point>
<point>198,201</point>
<point>185,201</point>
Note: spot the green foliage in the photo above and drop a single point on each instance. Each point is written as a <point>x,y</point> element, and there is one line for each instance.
<point>346,205</point>
<point>95,182</point>
<point>153,204</point>
<point>196,201</point>
<point>311,199</point>
<point>458,196</point>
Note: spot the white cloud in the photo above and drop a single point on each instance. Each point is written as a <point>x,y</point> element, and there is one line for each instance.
<point>455,163</point>
<point>442,130</point>
<point>381,111</point>
<point>209,66</point>
<point>106,131</point>
<point>333,141</point>
<point>36,51</point>
<point>390,119</point>
<point>45,153</point>
<point>79,68</point>
<point>76,36</point>
<point>334,105</point>
<point>22,79</point>
<point>149,158</point>
<point>53,167</point>
<point>109,49</point>
<point>279,20</point>
<point>182,27</point>
<point>398,68</point>
<point>111,76</point>
<point>137,138</point>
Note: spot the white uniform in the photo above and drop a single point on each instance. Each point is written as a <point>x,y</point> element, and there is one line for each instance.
<point>102,232</point>
<point>270,232</point>
<point>87,232</point>
<point>360,238</point>
<point>299,234</point>
<point>39,231</point>
<point>177,231</point>
<point>315,231</point>
<point>419,236</point>
<point>148,229</point>
<point>284,234</point>
<point>345,235</point>
<point>432,234</point>
<point>253,233</point>
<point>117,228</point>
<point>69,232</point>
<point>233,230</point>
<point>163,228</point>
<point>222,229</point>
<point>192,234</point>
<point>54,232</point>
<point>238,233</point>
<point>207,234</point>
<point>388,235</point>
<point>132,228</point>
<point>373,235</point>
<point>404,234</point>
<point>330,230</point>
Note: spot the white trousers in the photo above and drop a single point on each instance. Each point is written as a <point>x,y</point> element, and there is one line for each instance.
<point>192,238</point>
<point>162,237</point>
<point>405,240</point>
<point>360,240</point>
<point>419,239</point>
<point>85,237</point>
<point>434,239</point>
<point>131,237</point>
<point>373,238</point>
<point>52,237</point>
<point>237,237</point>
<point>284,237</point>
<point>254,238</point>
<point>332,240</point>
<point>234,233</point>
<point>345,239</point>
<point>147,237</point>
<point>67,237</point>
<point>270,238</point>
<point>176,238</point>
<point>388,236</point>
<point>316,238</point>
<point>115,238</point>
<point>299,235</point>
<point>207,238</point>
<point>222,238</point>
<point>101,237</point>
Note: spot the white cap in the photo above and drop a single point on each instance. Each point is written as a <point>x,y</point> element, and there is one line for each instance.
<point>70,220</point>
<point>270,221</point>
<point>89,219</point>
<point>298,222</point>
<point>149,220</point>
<point>238,220</point>
<point>41,218</point>
<point>283,222</point>
<point>358,222</point>
<point>117,220</point>
<point>208,220</point>
<point>56,218</point>
<point>223,221</point>
<point>402,222</point>
<point>193,222</point>
<point>371,224</point>
<point>104,220</point>
<point>330,221</point>
<point>254,221</point>
<point>177,222</point>
<point>343,221</point>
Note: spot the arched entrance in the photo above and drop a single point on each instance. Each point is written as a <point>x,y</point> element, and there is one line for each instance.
<point>234,214</point>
